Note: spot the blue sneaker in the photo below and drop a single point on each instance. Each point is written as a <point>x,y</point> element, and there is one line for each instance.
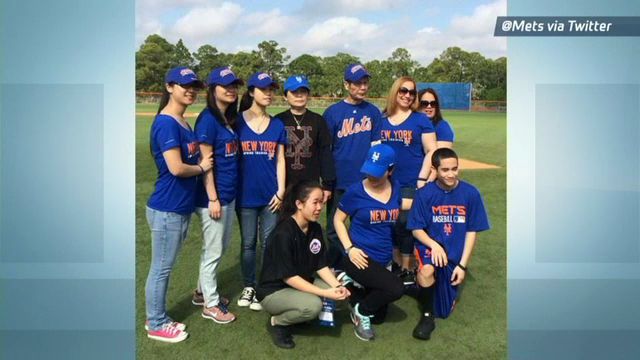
<point>346,280</point>
<point>362,325</point>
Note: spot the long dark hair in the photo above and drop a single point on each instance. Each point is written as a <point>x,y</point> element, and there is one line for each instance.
<point>247,99</point>
<point>438,115</point>
<point>298,191</point>
<point>164,99</point>
<point>230,115</point>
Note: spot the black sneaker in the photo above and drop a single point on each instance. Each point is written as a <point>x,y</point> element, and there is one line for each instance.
<point>396,269</point>
<point>281,335</point>
<point>408,277</point>
<point>425,327</point>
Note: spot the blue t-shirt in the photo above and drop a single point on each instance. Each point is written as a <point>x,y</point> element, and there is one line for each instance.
<point>352,128</point>
<point>258,160</point>
<point>225,146</point>
<point>447,216</point>
<point>173,193</point>
<point>406,141</point>
<point>444,131</point>
<point>372,222</point>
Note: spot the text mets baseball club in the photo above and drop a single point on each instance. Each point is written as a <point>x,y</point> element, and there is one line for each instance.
<point>449,214</point>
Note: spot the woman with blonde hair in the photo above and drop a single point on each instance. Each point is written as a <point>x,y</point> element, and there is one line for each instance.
<point>412,136</point>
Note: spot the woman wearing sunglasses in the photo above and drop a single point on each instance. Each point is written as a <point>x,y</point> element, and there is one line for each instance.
<point>412,136</point>
<point>430,105</point>
<point>262,176</point>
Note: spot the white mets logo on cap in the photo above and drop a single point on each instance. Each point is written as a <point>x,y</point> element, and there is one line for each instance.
<point>299,79</point>
<point>185,72</point>
<point>356,68</point>
<point>375,157</point>
<point>226,72</point>
<point>264,76</point>
<point>315,246</point>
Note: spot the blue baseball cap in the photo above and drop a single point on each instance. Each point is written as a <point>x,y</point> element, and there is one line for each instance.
<point>355,72</point>
<point>262,80</point>
<point>223,76</point>
<point>296,82</point>
<point>182,75</point>
<point>379,158</point>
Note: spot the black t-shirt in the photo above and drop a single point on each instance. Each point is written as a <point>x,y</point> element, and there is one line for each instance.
<point>291,252</point>
<point>308,152</point>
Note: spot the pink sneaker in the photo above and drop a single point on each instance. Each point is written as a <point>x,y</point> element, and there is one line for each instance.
<point>218,313</point>
<point>168,333</point>
<point>178,325</point>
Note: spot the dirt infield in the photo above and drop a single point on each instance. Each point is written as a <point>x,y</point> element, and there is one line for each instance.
<point>465,164</point>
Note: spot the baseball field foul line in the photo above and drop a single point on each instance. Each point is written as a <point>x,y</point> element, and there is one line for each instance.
<point>466,164</point>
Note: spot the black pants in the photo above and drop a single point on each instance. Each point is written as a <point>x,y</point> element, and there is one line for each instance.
<point>404,240</point>
<point>381,287</point>
<point>336,250</point>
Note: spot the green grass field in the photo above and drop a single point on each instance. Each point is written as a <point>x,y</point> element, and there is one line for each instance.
<point>477,329</point>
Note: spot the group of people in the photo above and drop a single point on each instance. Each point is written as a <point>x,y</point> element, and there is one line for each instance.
<point>396,211</point>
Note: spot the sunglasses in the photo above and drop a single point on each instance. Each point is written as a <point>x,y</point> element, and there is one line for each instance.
<point>426,103</point>
<point>405,91</point>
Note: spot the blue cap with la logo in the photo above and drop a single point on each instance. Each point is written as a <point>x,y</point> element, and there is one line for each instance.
<point>379,159</point>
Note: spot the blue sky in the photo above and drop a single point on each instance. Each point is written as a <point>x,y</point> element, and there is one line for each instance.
<point>370,29</point>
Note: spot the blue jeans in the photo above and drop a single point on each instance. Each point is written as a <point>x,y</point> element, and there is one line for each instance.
<point>215,235</point>
<point>168,232</point>
<point>252,219</point>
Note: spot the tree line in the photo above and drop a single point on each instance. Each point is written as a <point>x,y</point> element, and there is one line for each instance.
<point>156,55</point>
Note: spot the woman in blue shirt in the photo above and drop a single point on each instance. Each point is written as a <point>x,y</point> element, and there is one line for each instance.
<point>430,105</point>
<point>373,206</point>
<point>175,150</point>
<point>413,139</point>
<point>216,196</point>
<point>262,176</point>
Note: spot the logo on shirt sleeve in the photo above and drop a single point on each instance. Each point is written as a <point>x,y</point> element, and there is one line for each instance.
<point>193,149</point>
<point>315,246</point>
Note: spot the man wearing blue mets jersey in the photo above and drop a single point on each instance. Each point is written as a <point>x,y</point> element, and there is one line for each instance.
<point>445,218</point>
<point>354,125</point>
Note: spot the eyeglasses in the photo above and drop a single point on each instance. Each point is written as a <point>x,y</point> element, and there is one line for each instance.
<point>405,91</point>
<point>426,103</point>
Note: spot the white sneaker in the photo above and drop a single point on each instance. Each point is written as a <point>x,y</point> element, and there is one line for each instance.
<point>255,304</point>
<point>247,296</point>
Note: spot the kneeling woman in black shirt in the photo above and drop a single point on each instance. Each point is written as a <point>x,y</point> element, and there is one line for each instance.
<point>295,254</point>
